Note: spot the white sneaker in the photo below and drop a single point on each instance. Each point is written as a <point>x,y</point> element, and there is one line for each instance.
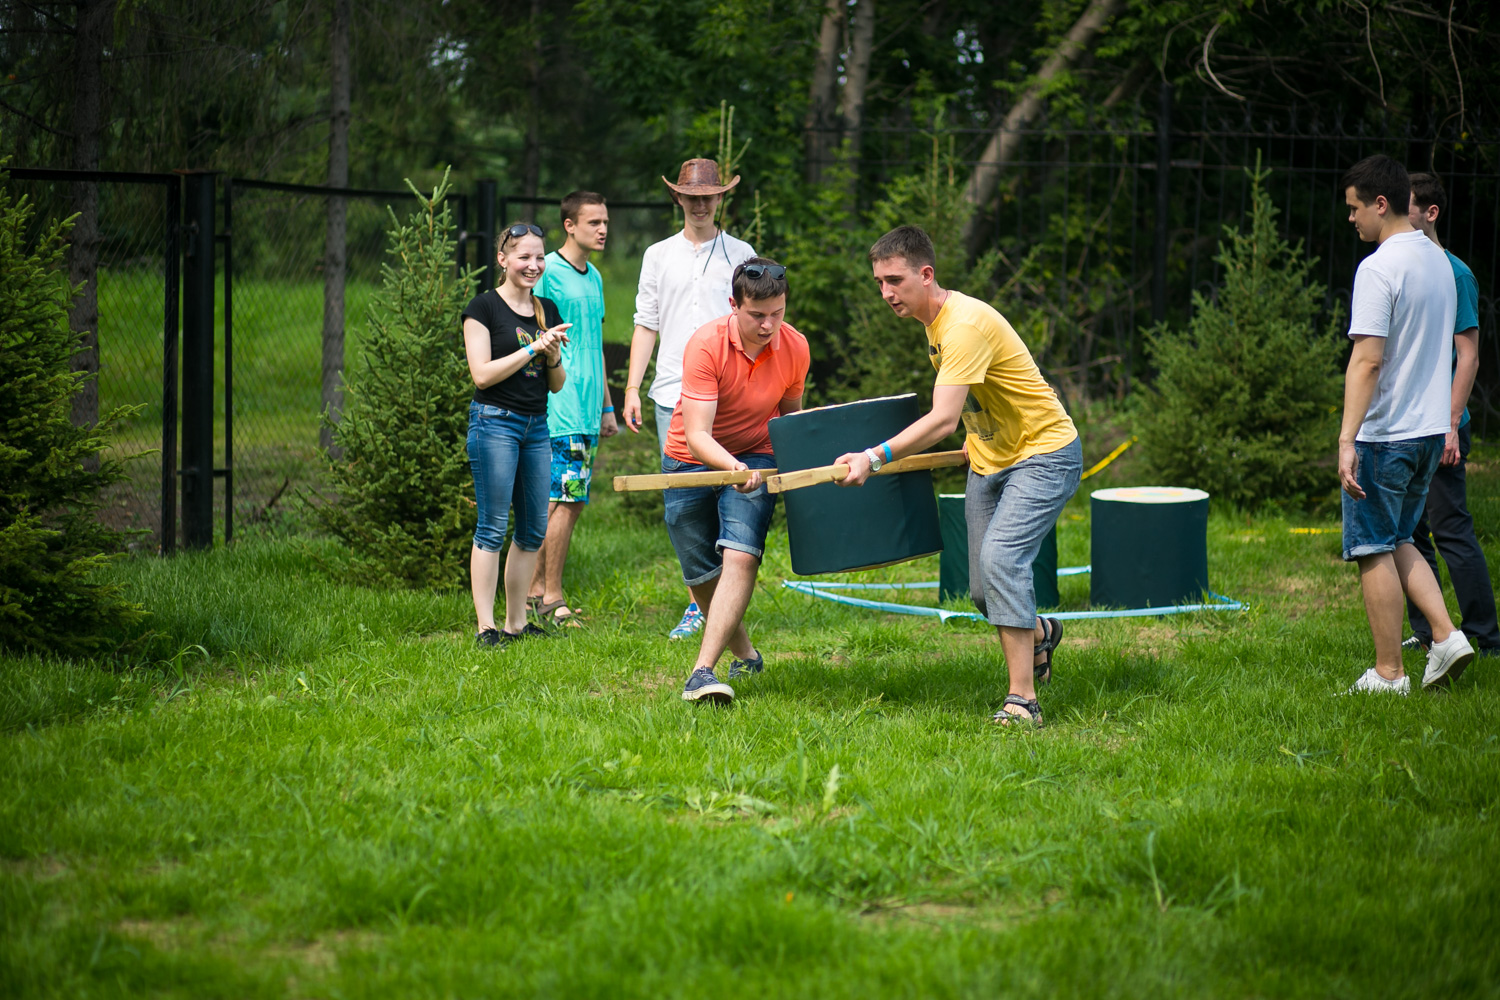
<point>1371,680</point>
<point>1447,659</point>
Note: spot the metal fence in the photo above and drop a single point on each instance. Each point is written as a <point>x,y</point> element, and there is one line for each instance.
<point>1119,215</point>
<point>136,287</point>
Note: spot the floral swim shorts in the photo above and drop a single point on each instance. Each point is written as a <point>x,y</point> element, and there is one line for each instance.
<point>573,467</point>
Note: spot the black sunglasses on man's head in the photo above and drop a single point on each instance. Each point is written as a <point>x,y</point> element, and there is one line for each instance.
<point>757,271</point>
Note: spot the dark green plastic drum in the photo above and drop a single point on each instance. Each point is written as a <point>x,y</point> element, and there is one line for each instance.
<point>836,529</point>
<point>953,567</point>
<point>1149,547</point>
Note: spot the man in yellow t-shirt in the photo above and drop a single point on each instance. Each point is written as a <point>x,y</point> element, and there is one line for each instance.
<point>1025,459</point>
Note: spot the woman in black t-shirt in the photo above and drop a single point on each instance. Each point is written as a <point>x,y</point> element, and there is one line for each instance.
<point>515,359</point>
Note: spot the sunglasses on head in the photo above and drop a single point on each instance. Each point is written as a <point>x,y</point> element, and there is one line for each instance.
<point>521,229</point>
<point>755,272</point>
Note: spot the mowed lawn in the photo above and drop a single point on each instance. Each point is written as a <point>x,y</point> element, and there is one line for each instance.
<point>320,791</point>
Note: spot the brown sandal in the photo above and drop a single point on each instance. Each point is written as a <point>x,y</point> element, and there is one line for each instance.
<point>548,612</point>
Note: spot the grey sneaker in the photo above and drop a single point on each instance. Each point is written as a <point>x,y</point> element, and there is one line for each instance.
<point>1414,643</point>
<point>1372,682</point>
<point>739,667</point>
<point>1447,659</point>
<point>703,684</point>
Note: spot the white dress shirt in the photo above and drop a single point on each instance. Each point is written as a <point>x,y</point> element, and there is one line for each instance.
<point>683,287</point>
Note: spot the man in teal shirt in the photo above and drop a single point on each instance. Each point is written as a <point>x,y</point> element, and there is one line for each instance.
<point>581,414</point>
<point>1446,520</point>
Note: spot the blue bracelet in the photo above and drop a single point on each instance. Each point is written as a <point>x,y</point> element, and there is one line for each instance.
<point>530,351</point>
<point>886,447</point>
<point>609,409</point>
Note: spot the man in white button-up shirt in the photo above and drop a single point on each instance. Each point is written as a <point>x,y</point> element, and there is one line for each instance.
<point>685,283</point>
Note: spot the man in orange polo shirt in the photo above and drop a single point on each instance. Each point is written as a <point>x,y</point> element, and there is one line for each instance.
<point>738,372</point>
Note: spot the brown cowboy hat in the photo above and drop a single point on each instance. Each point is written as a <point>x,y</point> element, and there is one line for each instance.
<point>700,177</point>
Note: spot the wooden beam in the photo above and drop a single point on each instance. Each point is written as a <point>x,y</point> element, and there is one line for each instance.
<point>680,480</point>
<point>782,482</point>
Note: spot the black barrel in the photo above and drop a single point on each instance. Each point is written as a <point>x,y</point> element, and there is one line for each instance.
<point>834,529</point>
<point>1149,546</point>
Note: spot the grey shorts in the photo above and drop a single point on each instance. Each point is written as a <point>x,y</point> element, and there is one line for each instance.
<point>1009,514</point>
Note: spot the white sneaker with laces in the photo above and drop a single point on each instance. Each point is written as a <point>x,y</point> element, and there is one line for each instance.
<point>1371,681</point>
<point>1447,659</point>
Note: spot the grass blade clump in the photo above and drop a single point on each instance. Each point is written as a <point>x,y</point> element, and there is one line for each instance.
<point>399,471</point>
<point>51,472</point>
<point>1246,402</point>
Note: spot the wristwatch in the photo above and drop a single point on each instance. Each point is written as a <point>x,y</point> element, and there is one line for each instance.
<point>875,460</point>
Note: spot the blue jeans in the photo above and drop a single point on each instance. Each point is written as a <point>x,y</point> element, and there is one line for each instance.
<point>1394,476</point>
<point>510,455</point>
<point>1009,514</point>
<point>705,520</point>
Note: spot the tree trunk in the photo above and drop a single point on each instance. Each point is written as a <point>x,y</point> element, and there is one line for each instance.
<point>856,77</point>
<point>818,129</point>
<point>95,28</point>
<point>334,249</point>
<point>1004,143</point>
<point>531,156</point>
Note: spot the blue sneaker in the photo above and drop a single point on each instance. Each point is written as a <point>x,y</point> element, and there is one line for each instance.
<point>691,624</point>
<point>739,667</point>
<point>703,684</point>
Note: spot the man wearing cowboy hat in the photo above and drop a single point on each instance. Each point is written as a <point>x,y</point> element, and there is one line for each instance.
<point>685,284</point>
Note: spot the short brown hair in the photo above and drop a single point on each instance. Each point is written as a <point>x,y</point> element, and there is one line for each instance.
<point>573,202</point>
<point>1379,175</point>
<point>760,289</point>
<point>910,243</point>
<point>1427,190</point>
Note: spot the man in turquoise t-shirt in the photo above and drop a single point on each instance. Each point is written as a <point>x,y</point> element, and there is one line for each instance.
<point>579,415</point>
<point>1446,520</point>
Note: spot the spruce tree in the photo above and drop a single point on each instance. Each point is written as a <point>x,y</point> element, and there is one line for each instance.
<point>51,541</point>
<point>1246,400</point>
<point>403,495</point>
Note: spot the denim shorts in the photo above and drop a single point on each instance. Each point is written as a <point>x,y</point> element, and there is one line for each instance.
<point>704,521</point>
<point>510,455</point>
<point>573,467</point>
<point>1009,514</point>
<point>1394,476</point>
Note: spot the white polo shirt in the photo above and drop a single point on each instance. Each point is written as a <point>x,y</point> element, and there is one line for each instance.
<point>1405,293</point>
<point>683,287</point>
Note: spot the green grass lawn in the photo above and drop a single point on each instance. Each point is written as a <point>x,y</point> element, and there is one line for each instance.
<point>321,791</point>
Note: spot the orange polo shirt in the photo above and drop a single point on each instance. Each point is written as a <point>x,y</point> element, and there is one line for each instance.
<point>749,391</point>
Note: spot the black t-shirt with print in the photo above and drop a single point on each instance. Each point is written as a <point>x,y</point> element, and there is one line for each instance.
<point>526,390</point>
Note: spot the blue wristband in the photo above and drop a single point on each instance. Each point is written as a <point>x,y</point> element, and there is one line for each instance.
<point>530,351</point>
<point>885,446</point>
<point>609,409</point>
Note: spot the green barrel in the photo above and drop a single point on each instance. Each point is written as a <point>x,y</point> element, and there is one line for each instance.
<point>1149,546</point>
<point>836,529</point>
<point>953,566</point>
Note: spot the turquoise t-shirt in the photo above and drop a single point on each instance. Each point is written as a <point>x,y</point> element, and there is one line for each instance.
<point>580,299</point>
<point>1468,308</point>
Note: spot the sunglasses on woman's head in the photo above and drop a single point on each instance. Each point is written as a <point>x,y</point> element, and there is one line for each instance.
<point>757,271</point>
<point>521,229</point>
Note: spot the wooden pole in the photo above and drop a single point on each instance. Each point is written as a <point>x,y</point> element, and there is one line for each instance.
<point>832,473</point>
<point>679,480</point>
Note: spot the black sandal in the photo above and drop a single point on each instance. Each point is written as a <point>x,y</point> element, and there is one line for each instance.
<point>1004,718</point>
<point>1052,632</point>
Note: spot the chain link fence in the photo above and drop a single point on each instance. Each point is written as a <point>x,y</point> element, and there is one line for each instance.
<point>135,291</point>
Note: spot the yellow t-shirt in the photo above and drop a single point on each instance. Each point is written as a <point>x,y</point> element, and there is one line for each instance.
<point>1011,412</point>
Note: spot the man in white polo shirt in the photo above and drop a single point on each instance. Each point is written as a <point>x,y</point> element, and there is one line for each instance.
<point>1396,417</point>
<point>685,284</point>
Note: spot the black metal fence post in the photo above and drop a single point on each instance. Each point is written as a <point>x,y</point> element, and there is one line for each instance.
<point>198,364</point>
<point>485,202</point>
<point>1163,205</point>
<point>227,238</point>
<point>172,265</point>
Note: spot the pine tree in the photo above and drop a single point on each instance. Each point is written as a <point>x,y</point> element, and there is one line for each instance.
<point>51,542</point>
<point>1246,400</point>
<point>403,490</point>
